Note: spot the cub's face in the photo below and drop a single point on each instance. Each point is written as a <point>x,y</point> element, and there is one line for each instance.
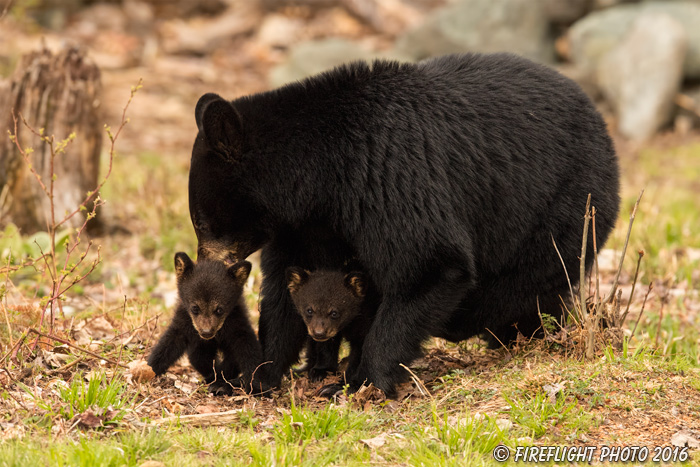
<point>209,291</point>
<point>326,300</point>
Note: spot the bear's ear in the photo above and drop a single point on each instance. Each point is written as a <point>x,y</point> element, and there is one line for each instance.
<point>221,126</point>
<point>355,281</point>
<point>201,104</point>
<point>240,271</point>
<point>296,277</point>
<point>183,265</point>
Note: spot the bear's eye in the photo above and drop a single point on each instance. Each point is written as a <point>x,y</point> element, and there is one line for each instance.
<point>309,311</point>
<point>194,310</point>
<point>335,314</point>
<point>219,311</point>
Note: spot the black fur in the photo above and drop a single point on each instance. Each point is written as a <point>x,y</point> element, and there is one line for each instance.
<point>447,179</point>
<point>211,318</point>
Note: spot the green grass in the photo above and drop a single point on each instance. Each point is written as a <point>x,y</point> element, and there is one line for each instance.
<point>105,397</point>
<point>98,392</point>
<point>668,220</point>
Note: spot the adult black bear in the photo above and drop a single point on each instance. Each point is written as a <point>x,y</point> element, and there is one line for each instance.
<point>333,305</point>
<point>447,180</point>
<point>211,317</point>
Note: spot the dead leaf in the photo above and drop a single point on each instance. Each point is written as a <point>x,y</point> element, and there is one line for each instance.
<point>552,390</point>
<point>187,388</point>
<point>88,419</point>
<point>152,464</point>
<point>685,438</point>
<point>368,394</point>
<point>376,442</point>
<point>504,424</point>
<point>54,359</point>
<point>95,329</point>
<point>206,409</point>
<point>11,431</point>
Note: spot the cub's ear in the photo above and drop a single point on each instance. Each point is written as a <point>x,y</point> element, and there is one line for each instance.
<point>296,277</point>
<point>355,281</point>
<point>183,265</point>
<point>240,271</point>
<point>221,126</point>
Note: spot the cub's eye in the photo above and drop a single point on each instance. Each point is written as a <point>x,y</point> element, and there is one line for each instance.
<point>309,311</point>
<point>335,314</point>
<point>195,310</point>
<point>219,311</point>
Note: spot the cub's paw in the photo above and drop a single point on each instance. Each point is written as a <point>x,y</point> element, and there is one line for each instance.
<point>223,388</point>
<point>317,374</point>
<point>330,391</point>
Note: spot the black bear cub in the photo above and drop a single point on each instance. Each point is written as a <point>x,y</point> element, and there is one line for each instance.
<point>334,305</point>
<point>211,318</point>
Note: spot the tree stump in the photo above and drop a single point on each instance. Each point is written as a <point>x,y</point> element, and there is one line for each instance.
<point>58,93</point>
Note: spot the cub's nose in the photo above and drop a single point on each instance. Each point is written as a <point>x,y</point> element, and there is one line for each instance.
<point>206,333</point>
<point>319,336</point>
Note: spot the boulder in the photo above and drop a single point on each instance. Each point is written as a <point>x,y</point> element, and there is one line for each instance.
<point>641,76</point>
<point>566,11</point>
<point>518,26</point>
<point>311,57</point>
<point>598,33</point>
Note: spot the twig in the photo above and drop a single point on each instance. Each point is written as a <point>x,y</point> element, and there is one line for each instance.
<point>421,387</point>
<point>597,305</point>
<point>252,379</point>
<point>499,341</point>
<point>582,262</point>
<point>12,348</point>
<point>113,139</point>
<point>661,317</point>
<point>651,286</point>
<point>571,289</point>
<point>121,347</point>
<point>8,5</point>
<point>624,249</point>
<point>60,277</point>
<point>66,366</point>
<point>634,284</point>
<point>18,346</point>
<point>9,375</point>
<point>69,344</point>
<point>4,304</point>
<point>203,419</point>
<point>686,102</point>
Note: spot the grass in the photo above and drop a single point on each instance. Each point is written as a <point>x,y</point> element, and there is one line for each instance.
<point>420,432</point>
<point>668,227</point>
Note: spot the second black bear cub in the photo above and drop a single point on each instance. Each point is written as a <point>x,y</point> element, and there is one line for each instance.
<point>333,305</point>
<point>211,318</point>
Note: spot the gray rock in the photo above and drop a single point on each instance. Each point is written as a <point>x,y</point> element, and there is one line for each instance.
<point>641,76</point>
<point>599,32</point>
<point>309,58</point>
<point>518,26</point>
<point>566,11</point>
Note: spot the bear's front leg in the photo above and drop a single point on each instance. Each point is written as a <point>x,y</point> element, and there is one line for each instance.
<point>241,353</point>
<point>202,357</point>
<point>281,330</point>
<point>173,343</point>
<point>402,323</point>
<point>324,356</point>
